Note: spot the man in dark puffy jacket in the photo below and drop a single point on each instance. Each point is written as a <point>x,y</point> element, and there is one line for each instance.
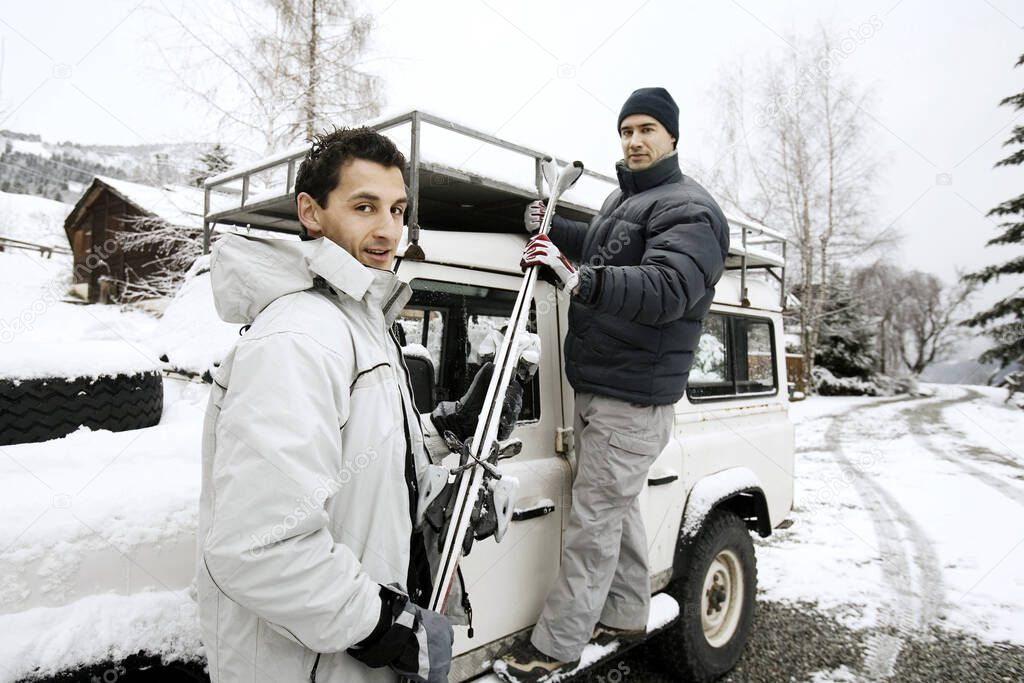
<point>646,275</point>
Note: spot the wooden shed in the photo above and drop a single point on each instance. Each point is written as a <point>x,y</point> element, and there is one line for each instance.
<point>104,267</point>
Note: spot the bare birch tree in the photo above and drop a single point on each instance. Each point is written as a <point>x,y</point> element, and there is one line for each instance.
<point>927,318</point>
<point>916,315</point>
<point>800,161</point>
<point>284,70</point>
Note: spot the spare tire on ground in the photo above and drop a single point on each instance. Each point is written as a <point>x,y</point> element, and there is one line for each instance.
<point>118,392</point>
<point>42,409</point>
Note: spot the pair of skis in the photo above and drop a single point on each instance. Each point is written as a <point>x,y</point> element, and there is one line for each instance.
<point>483,450</point>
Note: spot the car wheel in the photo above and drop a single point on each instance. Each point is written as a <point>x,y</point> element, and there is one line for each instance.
<point>48,408</point>
<point>716,601</point>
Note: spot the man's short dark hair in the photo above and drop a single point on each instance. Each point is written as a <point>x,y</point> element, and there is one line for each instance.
<point>320,171</point>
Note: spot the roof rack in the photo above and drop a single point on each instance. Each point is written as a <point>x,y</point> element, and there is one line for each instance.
<point>442,193</point>
<point>758,248</point>
<point>449,192</point>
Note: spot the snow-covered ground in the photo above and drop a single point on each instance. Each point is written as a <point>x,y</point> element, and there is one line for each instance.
<point>190,335</point>
<point>908,510</point>
<point>33,310</point>
<point>99,526</point>
<point>99,539</point>
<point>908,516</point>
<point>33,219</point>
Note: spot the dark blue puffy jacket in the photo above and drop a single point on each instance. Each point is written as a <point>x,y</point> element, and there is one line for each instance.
<point>649,262</point>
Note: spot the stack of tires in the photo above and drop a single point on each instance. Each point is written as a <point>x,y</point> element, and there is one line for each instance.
<point>34,408</point>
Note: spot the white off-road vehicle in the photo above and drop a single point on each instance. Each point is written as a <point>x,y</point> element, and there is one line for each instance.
<point>728,469</point>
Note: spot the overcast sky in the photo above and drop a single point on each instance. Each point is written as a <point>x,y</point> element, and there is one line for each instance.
<point>554,74</point>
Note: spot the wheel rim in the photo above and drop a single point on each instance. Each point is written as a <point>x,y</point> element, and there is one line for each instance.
<point>721,600</point>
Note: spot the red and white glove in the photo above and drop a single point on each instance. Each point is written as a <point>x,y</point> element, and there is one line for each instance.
<point>554,267</point>
<point>534,215</point>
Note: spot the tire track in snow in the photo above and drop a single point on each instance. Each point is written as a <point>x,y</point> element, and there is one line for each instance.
<point>910,566</point>
<point>926,422</point>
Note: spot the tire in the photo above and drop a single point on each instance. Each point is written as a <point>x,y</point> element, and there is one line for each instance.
<point>716,600</point>
<point>49,408</point>
<point>137,668</point>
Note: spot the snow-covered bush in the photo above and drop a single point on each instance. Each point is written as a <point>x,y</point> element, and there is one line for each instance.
<point>827,384</point>
<point>709,361</point>
<point>190,337</point>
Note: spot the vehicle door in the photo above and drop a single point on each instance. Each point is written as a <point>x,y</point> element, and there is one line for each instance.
<point>453,311</point>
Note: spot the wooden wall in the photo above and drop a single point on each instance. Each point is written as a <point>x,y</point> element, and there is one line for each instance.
<point>97,251</point>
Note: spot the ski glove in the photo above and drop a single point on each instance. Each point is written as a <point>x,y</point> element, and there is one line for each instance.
<point>534,215</point>
<point>554,267</point>
<point>415,642</point>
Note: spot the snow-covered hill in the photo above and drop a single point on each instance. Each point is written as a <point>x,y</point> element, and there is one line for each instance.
<point>33,219</point>
<point>967,371</point>
<point>30,165</point>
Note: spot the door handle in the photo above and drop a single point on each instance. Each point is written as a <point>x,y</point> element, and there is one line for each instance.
<point>545,508</point>
<point>662,478</point>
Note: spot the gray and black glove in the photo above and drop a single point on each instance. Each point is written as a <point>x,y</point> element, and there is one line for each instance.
<point>415,642</point>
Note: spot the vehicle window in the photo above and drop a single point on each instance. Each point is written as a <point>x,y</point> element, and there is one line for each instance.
<point>461,326</point>
<point>424,328</point>
<point>478,329</point>
<point>760,368</point>
<point>710,362</point>
<point>735,356</point>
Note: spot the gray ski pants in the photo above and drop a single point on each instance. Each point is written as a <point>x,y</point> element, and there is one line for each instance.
<point>603,575</point>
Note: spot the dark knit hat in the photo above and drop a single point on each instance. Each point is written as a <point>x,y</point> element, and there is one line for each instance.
<point>655,102</point>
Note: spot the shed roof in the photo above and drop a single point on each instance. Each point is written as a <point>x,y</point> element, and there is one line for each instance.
<point>175,204</point>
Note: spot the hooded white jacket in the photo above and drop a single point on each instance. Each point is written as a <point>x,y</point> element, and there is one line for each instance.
<point>305,508</point>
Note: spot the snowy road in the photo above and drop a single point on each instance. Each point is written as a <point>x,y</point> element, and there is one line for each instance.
<point>906,559</point>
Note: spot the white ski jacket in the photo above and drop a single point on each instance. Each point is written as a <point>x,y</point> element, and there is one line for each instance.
<point>305,508</point>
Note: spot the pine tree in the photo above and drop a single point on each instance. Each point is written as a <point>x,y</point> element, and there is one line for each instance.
<point>215,160</point>
<point>1004,321</point>
<point>845,347</point>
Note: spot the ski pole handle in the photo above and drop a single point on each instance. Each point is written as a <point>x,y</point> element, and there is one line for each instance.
<point>565,179</point>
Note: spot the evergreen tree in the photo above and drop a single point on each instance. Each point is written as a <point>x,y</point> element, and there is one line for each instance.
<point>845,347</point>
<point>215,160</point>
<point>1004,321</point>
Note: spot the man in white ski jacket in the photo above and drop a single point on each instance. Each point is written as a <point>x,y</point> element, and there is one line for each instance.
<point>312,445</point>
